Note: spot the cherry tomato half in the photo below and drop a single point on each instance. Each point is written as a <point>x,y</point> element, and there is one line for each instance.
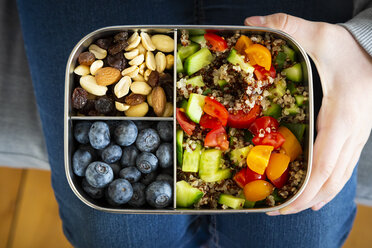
<point>216,109</point>
<point>261,73</point>
<point>264,123</point>
<point>274,139</point>
<point>215,42</point>
<point>246,175</point>
<point>187,125</point>
<point>257,190</point>
<point>209,122</point>
<point>217,138</point>
<point>260,55</point>
<point>243,120</point>
<point>242,43</point>
<point>282,180</point>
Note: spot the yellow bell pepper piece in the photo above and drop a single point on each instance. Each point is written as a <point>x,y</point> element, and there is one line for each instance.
<point>291,146</point>
<point>258,158</point>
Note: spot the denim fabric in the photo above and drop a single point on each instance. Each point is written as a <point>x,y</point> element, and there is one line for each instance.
<point>52,28</point>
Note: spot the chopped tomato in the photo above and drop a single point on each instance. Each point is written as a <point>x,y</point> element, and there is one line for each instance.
<point>264,123</point>
<point>277,170</point>
<point>274,139</point>
<point>257,190</point>
<point>217,138</point>
<point>243,120</point>
<point>246,175</point>
<point>242,43</point>
<point>282,180</point>
<point>260,55</point>
<point>216,109</point>
<point>261,73</point>
<point>209,122</point>
<point>187,125</point>
<point>215,42</point>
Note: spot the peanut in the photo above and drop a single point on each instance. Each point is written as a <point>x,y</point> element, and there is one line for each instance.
<point>129,71</point>
<point>132,54</point>
<point>107,76</point>
<point>160,61</point>
<point>98,52</point>
<point>163,43</point>
<point>141,49</point>
<point>98,64</point>
<point>170,61</point>
<point>122,87</point>
<point>168,112</point>
<point>137,60</point>
<point>142,69</point>
<point>121,106</point>
<point>140,88</point>
<point>149,99</point>
<point>138,110</point>
<point>146,42</point>
<point>138,77</point>
<point>82,70</point>
<point>150,61</point>
<point>147,74</point>
<point>133,44</point>
<point>89,84</point>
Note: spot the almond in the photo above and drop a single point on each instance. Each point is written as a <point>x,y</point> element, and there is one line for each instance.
<point>159,100</point>
<point>107,76</point>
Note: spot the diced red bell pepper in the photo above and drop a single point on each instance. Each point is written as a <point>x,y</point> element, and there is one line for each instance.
<point>215,42</point>
<point>187,125</point>
<point>217,138</point>
<point>209,122</point>
<point>216,109</point>
<point>264,123</point>
<point>243,120</point>
<point>274,139</point>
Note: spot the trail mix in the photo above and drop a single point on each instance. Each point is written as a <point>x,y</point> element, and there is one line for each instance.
<point>122,75</point>
<point>241,118</point>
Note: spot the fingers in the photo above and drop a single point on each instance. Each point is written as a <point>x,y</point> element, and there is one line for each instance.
<point>302,30</point>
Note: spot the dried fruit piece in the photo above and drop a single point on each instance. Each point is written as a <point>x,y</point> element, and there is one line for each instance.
<point>163,43</point>
<point>104,105</point>
<point>117,61</point>
<point>146,42</point>
<point>117,47</point>
<point>86,58</point>
<point>98,64</point>
<point>79,98</point>
<point>122,87</point>
<point>122,36</point>
<point>168,112</point>
<point>153,78</point>
<point>139,110</point>
<point>98,52</point>
<point>107,76</point>
<point>135,99</point>
<point>158,100</point>
<point>104,43</point>
<point>89,84</point>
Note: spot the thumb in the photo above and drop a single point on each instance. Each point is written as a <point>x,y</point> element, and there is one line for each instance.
<point>301,30</point>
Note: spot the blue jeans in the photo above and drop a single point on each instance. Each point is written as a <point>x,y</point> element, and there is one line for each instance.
<point>52,28</point>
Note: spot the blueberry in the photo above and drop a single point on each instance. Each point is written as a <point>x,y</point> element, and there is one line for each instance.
<point>132,174</point>
<point>138,198</point>
<point>99,174</point>
<point>168,171</point>
<point>129,156</point>
<point>120,191</point>
<point>115,169</point>
<point>147,162</point>
<point>148,140</point>
<point>93,192</point>
<point>159,194</point>
<point>111,154</point>
<point>144,124</point>
<point>81,132</point>
<point>148,178</point>
<point>99,135</point>
<point>126,133</point>
<point>165,155</point>
<point>112,126</point>
<point>90,149</point>
<point>165,130</point>
<point>80,161</point>
<point>165,177</point>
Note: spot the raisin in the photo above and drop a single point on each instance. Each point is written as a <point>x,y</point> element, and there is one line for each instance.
<point>86,58</point>
<point>168,89</point>
<point>153,79</point>
<point>117,47</point>
<point>122,36</point>
<point>88,107</point>
<point>79,98</point>
<point>104,43</point>
<point>117,61</point>
<point>104,105</point>
<point>135,99</point>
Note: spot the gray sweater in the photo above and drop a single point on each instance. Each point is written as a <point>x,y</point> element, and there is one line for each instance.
<point>361,24</point>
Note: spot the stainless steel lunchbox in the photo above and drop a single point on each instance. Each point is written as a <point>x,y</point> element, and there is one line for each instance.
<point>174,31</point>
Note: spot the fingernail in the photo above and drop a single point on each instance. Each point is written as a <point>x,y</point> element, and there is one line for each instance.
<point>273,213</point>
<point>318,206</point>
<point>286,210</point>
<point>255,20</point>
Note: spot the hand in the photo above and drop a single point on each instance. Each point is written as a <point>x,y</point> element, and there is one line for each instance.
<point>344,122</point>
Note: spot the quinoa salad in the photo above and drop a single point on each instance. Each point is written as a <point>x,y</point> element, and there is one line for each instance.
<point>242,114</point>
